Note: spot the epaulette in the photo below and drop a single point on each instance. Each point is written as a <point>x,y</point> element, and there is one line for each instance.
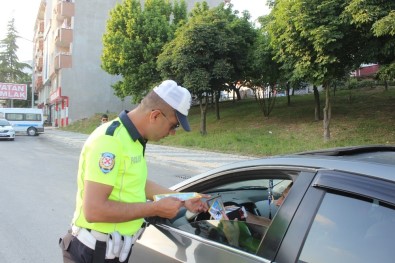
<point>111,129</point>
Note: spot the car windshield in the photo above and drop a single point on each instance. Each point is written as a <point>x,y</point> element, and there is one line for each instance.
<point>4,123</point>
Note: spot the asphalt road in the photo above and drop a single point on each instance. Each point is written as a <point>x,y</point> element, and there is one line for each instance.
<point>38,186</point>
<point>189,160</point>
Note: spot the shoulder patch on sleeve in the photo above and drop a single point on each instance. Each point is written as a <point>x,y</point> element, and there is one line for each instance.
<point>106,162</point>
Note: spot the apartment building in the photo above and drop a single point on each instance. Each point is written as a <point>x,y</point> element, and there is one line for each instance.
<point>66,62</point>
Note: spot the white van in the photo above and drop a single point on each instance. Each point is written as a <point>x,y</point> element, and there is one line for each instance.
<point>24,120</point>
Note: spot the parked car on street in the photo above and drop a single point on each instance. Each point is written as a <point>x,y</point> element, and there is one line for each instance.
<point>340,208</point>
<point>6,130</point>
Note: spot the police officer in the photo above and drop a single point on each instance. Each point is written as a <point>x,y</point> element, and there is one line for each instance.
<point>112,179</point>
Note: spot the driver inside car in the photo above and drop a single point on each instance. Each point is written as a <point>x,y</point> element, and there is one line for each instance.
<point>239,234</point>
<point>260,220</point>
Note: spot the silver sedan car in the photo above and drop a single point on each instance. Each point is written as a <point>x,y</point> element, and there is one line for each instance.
<point>338,206</point>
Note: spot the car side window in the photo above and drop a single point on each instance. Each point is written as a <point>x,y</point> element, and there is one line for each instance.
<point>253,195</point>
<point>347,229</point>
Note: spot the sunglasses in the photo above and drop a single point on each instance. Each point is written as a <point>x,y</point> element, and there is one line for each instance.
<point>174,126</point>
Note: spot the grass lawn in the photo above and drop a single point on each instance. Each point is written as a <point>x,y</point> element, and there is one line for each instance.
<point>242,129</point>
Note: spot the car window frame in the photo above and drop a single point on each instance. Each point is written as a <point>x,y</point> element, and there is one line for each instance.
<point>277,230</point>
<point>342,183</point>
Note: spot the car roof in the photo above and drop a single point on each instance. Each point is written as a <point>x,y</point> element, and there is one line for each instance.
<point>375,161</point>
<point>372,153</point>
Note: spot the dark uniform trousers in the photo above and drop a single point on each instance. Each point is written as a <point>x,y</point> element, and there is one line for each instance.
<point>76,252</point>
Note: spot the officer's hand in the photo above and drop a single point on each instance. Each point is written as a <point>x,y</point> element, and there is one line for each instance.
<point>168,207</point>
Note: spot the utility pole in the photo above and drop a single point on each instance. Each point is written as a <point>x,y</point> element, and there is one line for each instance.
<point>31,87</point>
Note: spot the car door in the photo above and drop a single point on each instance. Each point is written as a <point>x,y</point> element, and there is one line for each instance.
<point>342,218</point>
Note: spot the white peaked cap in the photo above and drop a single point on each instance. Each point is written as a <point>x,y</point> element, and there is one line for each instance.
<point>178,98</point>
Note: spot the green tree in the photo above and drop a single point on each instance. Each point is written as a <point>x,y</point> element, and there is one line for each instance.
<point>386,72</point>
<point>245,36</point>
<point>376,19</point>
<point>196,57</point>
<point>207,53</point>
<point>377,15</point>
<point>310,38</point>
<point>134,38</point>
<point>11,70</point>
<point>265,74</point>
<point>279,73</point>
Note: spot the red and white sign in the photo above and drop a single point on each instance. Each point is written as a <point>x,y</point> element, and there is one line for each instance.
<point>13,91</point>
<point>54,96</point>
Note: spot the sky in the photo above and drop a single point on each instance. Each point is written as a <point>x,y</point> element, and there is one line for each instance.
<point>255,7</point>
<point>25,12</point>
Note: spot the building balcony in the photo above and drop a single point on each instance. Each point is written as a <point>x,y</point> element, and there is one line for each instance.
<point>39,45</point>
<point>64,36</point>
<point>62,60</point>
<point>39,54</point>
<point>39,30</point>
<point>39,65</point>
<point>39,35</point>
<point>41,27</point>
<point>64,9</point>
<point>39,83</point>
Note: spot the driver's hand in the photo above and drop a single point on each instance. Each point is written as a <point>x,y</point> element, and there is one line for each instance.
<point>196,205</point>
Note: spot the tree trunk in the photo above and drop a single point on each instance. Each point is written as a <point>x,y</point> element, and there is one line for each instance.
<point>288,96</point>
<point>266,104</point>
<point>327,113</point>
<point>317,111</point>
<point>217,97</point>
<point>238,93</point>
<point>386,85</point>
<point>334,90</point>
<point>203,114</point>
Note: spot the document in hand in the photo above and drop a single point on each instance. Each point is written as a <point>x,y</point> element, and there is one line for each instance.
<point>181,196</point>
<point>218,211</point>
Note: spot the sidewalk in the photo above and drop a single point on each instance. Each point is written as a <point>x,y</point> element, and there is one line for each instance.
<point>186,158</point>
